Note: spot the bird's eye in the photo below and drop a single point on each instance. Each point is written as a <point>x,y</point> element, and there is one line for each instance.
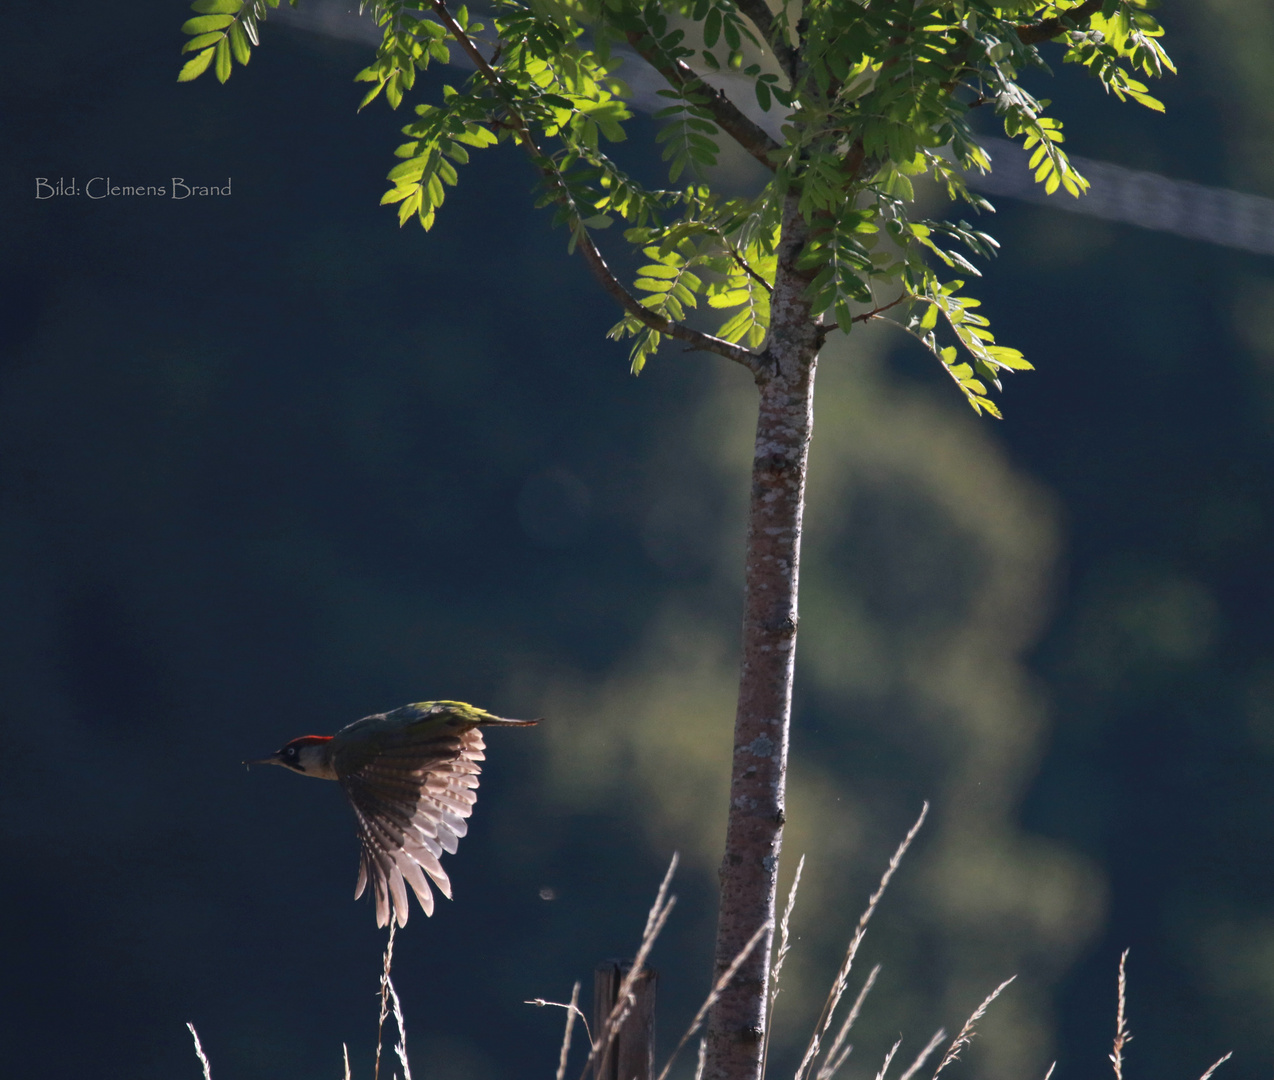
<point>291,751</point>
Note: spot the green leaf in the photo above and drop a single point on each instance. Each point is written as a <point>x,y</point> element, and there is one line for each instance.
<point>196,66</point>
<point>223,59</point>
<point>205,23</point>
<point>1009,358</point>
<point>371,96</point>
<point>239,44</point>
<point>217,7</point>
<point>712,27</point>
<point>843,318</point>
<point>1145,99</point>
<point>201,42</point>
<point>659,271</point>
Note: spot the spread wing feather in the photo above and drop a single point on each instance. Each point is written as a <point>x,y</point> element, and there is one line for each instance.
<point>411,798</point>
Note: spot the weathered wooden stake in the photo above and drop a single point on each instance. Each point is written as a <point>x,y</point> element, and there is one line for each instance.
<point>632,1050</point>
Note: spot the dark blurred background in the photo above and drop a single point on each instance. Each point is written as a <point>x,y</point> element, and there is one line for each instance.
<point>268,463</point>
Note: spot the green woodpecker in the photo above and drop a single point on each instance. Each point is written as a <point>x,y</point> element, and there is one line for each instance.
<point>411,776</point>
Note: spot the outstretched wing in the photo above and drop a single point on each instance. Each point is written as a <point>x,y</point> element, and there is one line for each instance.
<point>411,798</point>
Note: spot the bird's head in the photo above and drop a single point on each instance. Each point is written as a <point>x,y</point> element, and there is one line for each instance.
<point>308,755</point>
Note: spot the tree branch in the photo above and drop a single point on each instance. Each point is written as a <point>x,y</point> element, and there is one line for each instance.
<point>745,131</point>
<point>875,312</point>
<point>763,19</point>
<point>741,262</point>
<point>630,303</point>
<point>1031,33</point>
<point>583,241</point>
<point>867,316</point>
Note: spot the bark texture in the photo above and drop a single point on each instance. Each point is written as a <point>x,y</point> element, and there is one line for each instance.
<point>749,871</point>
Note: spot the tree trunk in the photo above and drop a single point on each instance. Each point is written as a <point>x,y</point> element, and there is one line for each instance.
<point>749,871</point>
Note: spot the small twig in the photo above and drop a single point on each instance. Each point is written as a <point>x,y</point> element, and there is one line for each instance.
<point>345,1050</point>
<point>207,1068</point>
<point>726,977</point>
<point>384,997</point>
<point>1049,1075</point>
<point>744,265</point>
<point>875,313</point>
<point>966,1033</point>
<point>729,117</point>
<point>842,976</point>
<point>918,1064</point>
<point>866,316</point>
<point>1215,1065</point>
<point>1122,1036</point>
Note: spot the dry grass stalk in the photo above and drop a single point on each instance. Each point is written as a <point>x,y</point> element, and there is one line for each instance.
<point>923,1056</point>
<point>572,1010</point>
<point>726,977</point>
<point>384,997</point>
<point>966,1033</point>
<point>207,1068</point>
<point>1215,1065</point>
<point>572,1007</point>
<point>842,976</point>
<point>345,1050</point>
<point>1122,1036</point>
<point>889,1057</point>
<point>400,1048</point>
<point>703,1059</point>
<point>835,1057</point>
<point>1049,1075</point>
<point>780,956</point>
<point>649,933</point>
<point>831,1066</point>
<point>624,998</point>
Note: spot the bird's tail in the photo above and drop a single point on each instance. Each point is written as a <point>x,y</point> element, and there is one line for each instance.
<point>499,721</point>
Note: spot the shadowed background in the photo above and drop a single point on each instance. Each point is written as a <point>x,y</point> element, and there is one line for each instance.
<point>268,464</point>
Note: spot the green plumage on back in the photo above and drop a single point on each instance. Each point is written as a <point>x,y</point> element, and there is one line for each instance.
<point>411,725</point>
<point>411,777</point>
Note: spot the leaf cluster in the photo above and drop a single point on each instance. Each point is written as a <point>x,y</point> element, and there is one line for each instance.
<point>223,32</point>
<point>861,101</point>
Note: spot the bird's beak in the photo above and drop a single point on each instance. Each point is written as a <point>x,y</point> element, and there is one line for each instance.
<point>263,761</point>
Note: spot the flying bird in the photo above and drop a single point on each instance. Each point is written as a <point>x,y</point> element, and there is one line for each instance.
<point>411,776</point>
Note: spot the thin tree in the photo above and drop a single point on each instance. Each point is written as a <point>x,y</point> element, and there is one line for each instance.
<point>858,100</point>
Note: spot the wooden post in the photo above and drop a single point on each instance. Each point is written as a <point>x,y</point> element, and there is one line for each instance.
<point>631,1055</point>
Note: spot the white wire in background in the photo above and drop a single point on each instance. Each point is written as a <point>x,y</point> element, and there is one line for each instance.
<point>1216,215</point>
